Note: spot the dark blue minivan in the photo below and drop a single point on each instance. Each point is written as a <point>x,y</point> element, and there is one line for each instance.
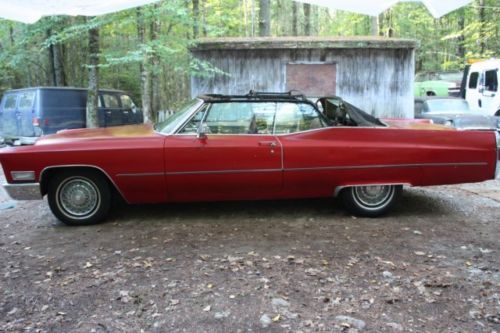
<point>31,112</point>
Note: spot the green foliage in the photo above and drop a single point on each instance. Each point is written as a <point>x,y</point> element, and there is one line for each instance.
<point>25,60</point>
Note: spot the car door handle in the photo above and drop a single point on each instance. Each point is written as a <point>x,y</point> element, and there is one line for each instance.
<point>268,143</point>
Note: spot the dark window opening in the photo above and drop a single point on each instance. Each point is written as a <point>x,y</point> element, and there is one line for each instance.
<point>473,80</point>
<point>491,81</point>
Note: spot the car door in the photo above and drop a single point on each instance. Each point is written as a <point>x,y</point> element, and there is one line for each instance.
<point>237,158</point>
<point>472,93</point>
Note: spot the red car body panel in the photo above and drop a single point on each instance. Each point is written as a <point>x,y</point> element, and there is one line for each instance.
<point>223,167</point>
<point>147,167</point>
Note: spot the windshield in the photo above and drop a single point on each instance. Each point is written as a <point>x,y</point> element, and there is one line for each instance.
<point>447,105</point>
<point>171,123</point>
<point>451,76</point>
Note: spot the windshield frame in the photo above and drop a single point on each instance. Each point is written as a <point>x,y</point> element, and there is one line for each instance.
<point>187,111</point>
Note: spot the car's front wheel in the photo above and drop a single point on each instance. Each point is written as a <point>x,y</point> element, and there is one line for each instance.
<point>79,198</point>
<point>370,201</point>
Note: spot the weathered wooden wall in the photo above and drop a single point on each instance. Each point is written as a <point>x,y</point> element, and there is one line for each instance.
<point>378,80</point>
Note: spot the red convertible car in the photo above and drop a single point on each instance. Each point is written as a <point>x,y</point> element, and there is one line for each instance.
<point>255,146</point>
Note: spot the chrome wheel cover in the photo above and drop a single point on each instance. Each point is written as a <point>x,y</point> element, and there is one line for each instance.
<point>78,197</point>
<point>373,197</point>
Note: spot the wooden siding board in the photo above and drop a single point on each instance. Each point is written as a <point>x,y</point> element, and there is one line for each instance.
<point>379,81</point>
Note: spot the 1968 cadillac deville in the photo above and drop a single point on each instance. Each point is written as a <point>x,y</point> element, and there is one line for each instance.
<point>256,146</point>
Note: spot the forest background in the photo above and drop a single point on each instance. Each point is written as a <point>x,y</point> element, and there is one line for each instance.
<point>145,51</point>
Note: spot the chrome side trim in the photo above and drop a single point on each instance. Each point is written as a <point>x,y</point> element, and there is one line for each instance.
<point>143,174</point>
<point>83,166</point>
<point>347,167</point>
<point>221,171</point>
<point>376,166</point>
<point>340,188</point>
<point>24,191</point>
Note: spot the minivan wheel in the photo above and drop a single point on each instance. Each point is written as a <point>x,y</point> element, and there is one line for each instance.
<point>79,198</point>
<point>370,201</point>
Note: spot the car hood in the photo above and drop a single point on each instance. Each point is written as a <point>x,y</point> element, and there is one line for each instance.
<point>129,131</point>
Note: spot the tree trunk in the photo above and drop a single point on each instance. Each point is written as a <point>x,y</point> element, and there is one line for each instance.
<point>59,66</point>
<point>482,22</point>
<point>381,24</point>
<point>155,68</point>
<point>307,19</point>
<point>52,70</point>
<point>374,25</point>
<point>204,18</point>
<point>264,18</point>
<point>295,8</point>
<point>93,90</point>
<point>11,34</point>
<point>196,18</point>
<point>387,24</point>
<point>461,38</point>
<point>145,69</point>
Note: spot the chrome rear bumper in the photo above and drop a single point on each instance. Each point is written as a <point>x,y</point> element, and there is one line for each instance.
<point>26,191</point>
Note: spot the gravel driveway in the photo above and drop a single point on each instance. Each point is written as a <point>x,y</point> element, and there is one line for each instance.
<point>277,266</point>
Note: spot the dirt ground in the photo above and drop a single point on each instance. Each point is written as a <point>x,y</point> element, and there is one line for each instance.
<point>281,266</point>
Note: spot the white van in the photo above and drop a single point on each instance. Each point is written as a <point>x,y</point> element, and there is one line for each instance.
<point>481,90</point>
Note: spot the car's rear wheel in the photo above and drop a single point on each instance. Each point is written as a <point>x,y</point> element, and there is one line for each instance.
<point>79,198</point>
<point>370,201</point>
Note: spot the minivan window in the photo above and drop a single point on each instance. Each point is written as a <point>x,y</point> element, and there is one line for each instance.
<point>10,102</point>
<point>474,76</point>
<point>110,101</point>
<point>491,80</point>
<point>26,100</point>
<point>127,102</point>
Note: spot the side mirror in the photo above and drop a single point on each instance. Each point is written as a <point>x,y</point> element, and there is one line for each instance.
<point>203,130</point>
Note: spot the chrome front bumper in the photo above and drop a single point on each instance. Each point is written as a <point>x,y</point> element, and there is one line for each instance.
<point>26,191</point>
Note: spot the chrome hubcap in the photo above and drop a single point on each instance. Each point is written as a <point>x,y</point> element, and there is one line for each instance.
<point>373,196</point>
<point>78,197</point>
